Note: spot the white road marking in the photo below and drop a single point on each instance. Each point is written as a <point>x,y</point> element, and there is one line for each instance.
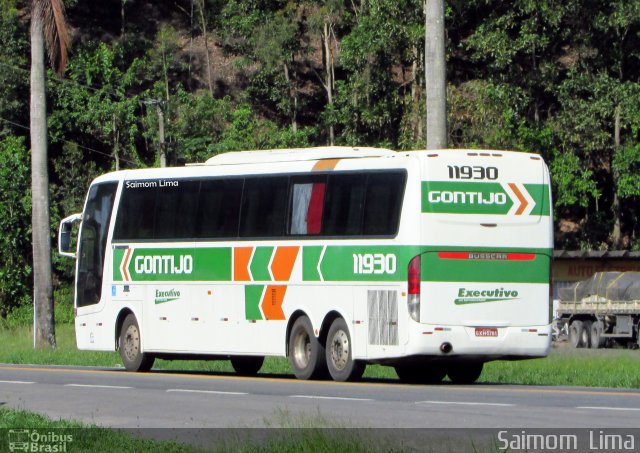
<point>609,408</point>
<point>16,382</point>
<point>330,398</point>
<point>98,386</point>
<point>214,392</point>
<point>465,403</point>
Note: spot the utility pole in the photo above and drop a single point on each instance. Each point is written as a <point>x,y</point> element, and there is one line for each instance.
<point>435,74</point>
<point>159,103</point>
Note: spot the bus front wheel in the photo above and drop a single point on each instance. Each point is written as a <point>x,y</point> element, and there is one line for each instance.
<point>130,346</point>
<point>306,354</point>
<point>340,362</point>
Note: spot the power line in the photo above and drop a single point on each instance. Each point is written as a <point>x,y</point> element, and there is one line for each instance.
<point>86,148</point>
<point>62,80</point>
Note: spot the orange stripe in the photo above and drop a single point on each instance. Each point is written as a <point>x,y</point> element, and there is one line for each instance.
<point>241,258</point>
<point>272,302</point>
<point>325,164</point>
<point>283,261</point>
<point>523,200</point>
<point>125,268</point>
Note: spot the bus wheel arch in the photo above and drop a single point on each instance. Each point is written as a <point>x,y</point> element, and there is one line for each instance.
<point>130,344</point>
<point>119,322</point>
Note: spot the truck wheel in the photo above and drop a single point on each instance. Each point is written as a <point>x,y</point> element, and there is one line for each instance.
<point>420,374</point>
<point>597,341</point>
<point>465,372</point>
<point>340,361</point>
<point>247,365</point>
<point>306,354</point>
<point>586,334</point>
<point>130,346</point>
<point>575,334</point>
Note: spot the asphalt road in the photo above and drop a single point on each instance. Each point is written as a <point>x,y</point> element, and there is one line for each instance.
<point>116,398</point>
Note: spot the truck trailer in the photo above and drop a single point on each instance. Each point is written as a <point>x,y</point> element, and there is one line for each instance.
<point>602,311</point>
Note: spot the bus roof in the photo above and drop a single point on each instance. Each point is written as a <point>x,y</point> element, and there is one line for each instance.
<point>297,155</point>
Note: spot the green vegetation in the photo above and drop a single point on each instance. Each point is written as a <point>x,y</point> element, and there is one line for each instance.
<point>617,368</point>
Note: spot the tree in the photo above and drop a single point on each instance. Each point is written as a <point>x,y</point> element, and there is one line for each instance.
<point>100,103</point>
<point>15,210</point>
<point>48,29</point>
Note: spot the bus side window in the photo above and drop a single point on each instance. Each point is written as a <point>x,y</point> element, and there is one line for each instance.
<point>264,206</point>
<point>219,208</point>
<point>383,203</point>
<point>136,213</point>
<point>307,206</point>
<point>344,205</point>
<point>176,210</point>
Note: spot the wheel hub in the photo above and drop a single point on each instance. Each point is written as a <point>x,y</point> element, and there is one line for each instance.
<point>340,350</point>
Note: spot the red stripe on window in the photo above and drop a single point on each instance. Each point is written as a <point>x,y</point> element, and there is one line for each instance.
<point>316,203</point>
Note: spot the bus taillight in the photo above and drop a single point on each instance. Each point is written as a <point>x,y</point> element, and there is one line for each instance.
<point>413,281</point>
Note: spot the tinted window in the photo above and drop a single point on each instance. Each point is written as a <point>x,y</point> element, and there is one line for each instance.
<point>137,210</point>
<point>93,242</point>
<point>176,207</point>
<point>219,208</point>
<point>383,202</point>
<point>264,205</point>
<point>344,205</point>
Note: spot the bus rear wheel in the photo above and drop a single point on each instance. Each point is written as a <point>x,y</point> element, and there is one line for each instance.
<point>420,374</point>
<point>306,353</point>
<point>465,372</point>
<point>340,361</point>
<point>130,346</point>
<point>247,365</point>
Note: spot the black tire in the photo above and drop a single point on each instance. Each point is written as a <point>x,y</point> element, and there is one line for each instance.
<point>340,362</point>
<point>465,372</point>
<point>420,373</point>
<point>306,353</point>
<point>586,334</point>
<point>575,333</point>
<point>597,341</point>
<point>130,346</point>
<point>245,365</point>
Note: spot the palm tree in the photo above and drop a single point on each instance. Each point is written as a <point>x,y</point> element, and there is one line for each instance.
<point>48,29</point>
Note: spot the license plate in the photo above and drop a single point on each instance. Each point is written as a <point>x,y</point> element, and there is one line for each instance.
<point>486,331</point>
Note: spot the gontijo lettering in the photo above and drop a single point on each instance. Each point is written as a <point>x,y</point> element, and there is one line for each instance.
<point>164,264</point>
<point>448,197</point>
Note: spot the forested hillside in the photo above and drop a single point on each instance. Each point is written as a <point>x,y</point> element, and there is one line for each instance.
<point>555,77</point>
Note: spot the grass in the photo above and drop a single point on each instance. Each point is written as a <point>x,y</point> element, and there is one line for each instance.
<point>615,368</point>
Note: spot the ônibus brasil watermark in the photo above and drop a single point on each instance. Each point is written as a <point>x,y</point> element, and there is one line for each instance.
<point>33,440</point>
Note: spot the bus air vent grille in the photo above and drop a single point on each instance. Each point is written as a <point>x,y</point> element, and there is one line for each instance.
<point>383,317</point>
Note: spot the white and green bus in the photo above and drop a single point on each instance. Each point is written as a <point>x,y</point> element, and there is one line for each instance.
<point>433,262</point>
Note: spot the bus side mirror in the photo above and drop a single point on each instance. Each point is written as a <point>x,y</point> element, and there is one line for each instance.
<point>64,235</point>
